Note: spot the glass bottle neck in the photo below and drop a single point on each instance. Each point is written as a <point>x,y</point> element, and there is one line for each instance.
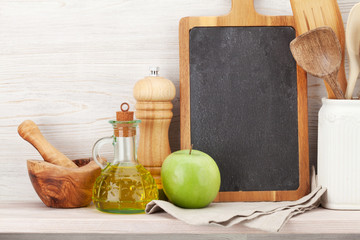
<point>125,151</point>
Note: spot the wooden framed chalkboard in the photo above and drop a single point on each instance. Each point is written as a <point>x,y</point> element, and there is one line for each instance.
<point>244,102</point>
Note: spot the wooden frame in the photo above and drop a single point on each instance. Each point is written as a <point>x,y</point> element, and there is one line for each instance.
<point>243,14</point>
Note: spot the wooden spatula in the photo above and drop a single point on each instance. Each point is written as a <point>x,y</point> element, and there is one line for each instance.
<point>353,48</point>
<point>311,14</point>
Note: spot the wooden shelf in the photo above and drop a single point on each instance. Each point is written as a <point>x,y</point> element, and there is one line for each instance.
<point>32,219</point>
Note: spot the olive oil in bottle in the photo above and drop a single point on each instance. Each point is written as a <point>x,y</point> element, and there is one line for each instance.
<point>122,189</point>
<point>124,185</point>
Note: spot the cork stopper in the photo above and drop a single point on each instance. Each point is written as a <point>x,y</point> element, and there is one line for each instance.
<point>124,114</point>
<point>124,129</point>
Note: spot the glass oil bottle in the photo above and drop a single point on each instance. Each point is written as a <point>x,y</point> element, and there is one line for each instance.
<point>124,185</point>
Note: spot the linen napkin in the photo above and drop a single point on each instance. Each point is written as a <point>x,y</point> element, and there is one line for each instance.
<point>266,216</point>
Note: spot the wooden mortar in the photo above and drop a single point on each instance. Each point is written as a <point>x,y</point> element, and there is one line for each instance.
<point>59,182</point>
<point>63,187</point>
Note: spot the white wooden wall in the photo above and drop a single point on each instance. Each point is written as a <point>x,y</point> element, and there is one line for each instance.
<point>68,64</point>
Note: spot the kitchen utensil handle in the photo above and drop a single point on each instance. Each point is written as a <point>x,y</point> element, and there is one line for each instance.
<point>354,70</point>
<point>240,3</point>
<point>334,84</point>
<point>30,132</point>
<point>242,8</point>
<point>95,151</point>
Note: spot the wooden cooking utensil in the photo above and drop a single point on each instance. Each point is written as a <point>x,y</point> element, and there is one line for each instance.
<point>311,14</point>
<point>353,48</point>
<point>30,132</point>
<point>61,187</point>
<point>318,52</point>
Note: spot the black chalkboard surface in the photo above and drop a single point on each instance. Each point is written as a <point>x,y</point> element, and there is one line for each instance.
<point>243,88</point>
<point>244,102</point>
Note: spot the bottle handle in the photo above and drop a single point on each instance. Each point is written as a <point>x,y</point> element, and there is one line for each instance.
<point>95,151</point>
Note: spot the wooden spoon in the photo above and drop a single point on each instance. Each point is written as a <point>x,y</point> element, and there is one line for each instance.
<point>30,132</point>
<point>318,52</point>
<point>353,48</point>
<point>311,14</point>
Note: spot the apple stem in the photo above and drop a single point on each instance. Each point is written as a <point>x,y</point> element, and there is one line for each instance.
<point>191,148</point>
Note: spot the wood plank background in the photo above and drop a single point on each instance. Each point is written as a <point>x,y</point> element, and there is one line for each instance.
<point>69,64</point>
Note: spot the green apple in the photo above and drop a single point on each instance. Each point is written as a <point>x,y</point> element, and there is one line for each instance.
<point>190,179</point>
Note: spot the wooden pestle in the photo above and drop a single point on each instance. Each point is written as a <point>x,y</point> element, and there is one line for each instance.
<point>30,132</point>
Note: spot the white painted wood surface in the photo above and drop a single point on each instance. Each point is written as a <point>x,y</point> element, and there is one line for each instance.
<point>34,217</point>
<point>68,65</point>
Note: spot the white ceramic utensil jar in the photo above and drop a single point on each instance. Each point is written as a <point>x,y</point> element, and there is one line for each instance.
<point>339,153</point>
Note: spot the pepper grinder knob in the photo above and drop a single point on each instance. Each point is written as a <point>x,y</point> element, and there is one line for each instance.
<point>154,71</point>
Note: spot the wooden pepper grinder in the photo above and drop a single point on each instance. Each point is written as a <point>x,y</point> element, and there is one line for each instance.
<point>154,95</point>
